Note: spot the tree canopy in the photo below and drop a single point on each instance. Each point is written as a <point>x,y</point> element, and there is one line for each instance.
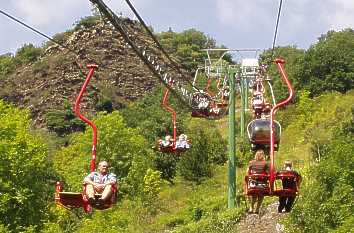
<point>187,47</point>
<point>25,171</point>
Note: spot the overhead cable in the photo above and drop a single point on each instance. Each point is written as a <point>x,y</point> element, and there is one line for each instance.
<point>276,29</point>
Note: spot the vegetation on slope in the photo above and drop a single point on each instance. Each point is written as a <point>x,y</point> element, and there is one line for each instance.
<point>326,203</point>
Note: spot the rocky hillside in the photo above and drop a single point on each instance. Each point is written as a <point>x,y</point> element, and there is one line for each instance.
<point>54,79</point>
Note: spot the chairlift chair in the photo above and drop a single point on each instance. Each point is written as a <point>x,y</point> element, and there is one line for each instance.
<point>171,147</point>
<point>257,184</point>
<point>75,199</point>
<point>286,192</point>
<point>259,133</point>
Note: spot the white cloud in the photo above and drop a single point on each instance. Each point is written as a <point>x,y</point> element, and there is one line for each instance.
<point>239,12</point>
<point>233,22</point>
<point>43,13</point>
<point>339,14</point>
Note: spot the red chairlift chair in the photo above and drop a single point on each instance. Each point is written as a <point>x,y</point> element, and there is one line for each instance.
<point>207,107</point>
<point>257,184</point>
<point>273,174</point>
<point>171,147</point>
<point>80,200</point>
<point>284,176</point>
<point>218,104</point>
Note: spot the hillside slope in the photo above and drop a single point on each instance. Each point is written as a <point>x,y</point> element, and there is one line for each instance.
<point>55,78</point>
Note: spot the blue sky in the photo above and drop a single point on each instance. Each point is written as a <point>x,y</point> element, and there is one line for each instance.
<point>234,23</point>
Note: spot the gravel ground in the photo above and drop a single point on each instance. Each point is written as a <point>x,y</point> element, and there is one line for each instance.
<point>265,222</point>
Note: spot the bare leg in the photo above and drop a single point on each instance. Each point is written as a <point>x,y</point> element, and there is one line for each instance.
<point>107,192</point>
<point>253,201</point>
<point>259,203</point>
<point>90,192</point>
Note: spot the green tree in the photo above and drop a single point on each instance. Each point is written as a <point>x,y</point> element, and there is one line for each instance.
<point>7,65</point>
<point>293,58</point>
<point>207,149</point>
<point>64,121</point>
<point>329,64</point>
<point>187,47</point>
<point>25,171</point>
<point>27,53</point>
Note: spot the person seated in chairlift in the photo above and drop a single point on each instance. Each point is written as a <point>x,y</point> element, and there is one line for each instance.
<point>226,92</point>
<point>215,109</point>
<point>167,142</point>
<point>266,111</point>
<point>257,102</point>
<point>257,166</point>
<point>100,182</point>
<point>182,142</point>
<point>267,108</point>
<point>203,103</point>
<point>288,201</point>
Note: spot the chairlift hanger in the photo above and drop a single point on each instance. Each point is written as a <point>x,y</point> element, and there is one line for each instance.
<point>80,200</point>
<point>172,147</point>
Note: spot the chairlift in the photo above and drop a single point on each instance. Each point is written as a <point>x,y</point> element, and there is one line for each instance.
<point>206,107</point>
<point>79,200</point>
<point>172,144</point>
<point>259,133</point>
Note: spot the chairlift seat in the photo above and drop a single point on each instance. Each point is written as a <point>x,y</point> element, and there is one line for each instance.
<point>79,200</point>
<point>261,188</point>
<point>167,149</point>
<point>286,192</point>
<point>70,199</point>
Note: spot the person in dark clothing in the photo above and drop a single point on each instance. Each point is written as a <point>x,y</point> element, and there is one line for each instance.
<point>257,166</point>
<point>288,183</point>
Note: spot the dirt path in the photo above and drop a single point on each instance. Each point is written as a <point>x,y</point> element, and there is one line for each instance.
<point>266,222</point>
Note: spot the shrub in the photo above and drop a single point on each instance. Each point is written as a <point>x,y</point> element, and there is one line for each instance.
<point>208,148</point>
<point>167,165</point>
<point>41,68</point>
<point>25,172</point>
<point>27,53</point>
<point>64,121</point>
<point>86,22</point>
<point>151,189</point>
<point>7,65</point>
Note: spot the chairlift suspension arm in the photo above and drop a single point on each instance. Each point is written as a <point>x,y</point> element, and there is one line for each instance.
<point>285,78</point>
<point>212,94</point>
<point>173,112</point>
<point>84,119</point>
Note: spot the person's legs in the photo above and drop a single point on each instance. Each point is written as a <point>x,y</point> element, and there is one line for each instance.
<point>253,200</point>
<point>107,192</point>
<point>259,203</point>
<point>90,192</point>
<point>289,204</point>
<point>282,203</point>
